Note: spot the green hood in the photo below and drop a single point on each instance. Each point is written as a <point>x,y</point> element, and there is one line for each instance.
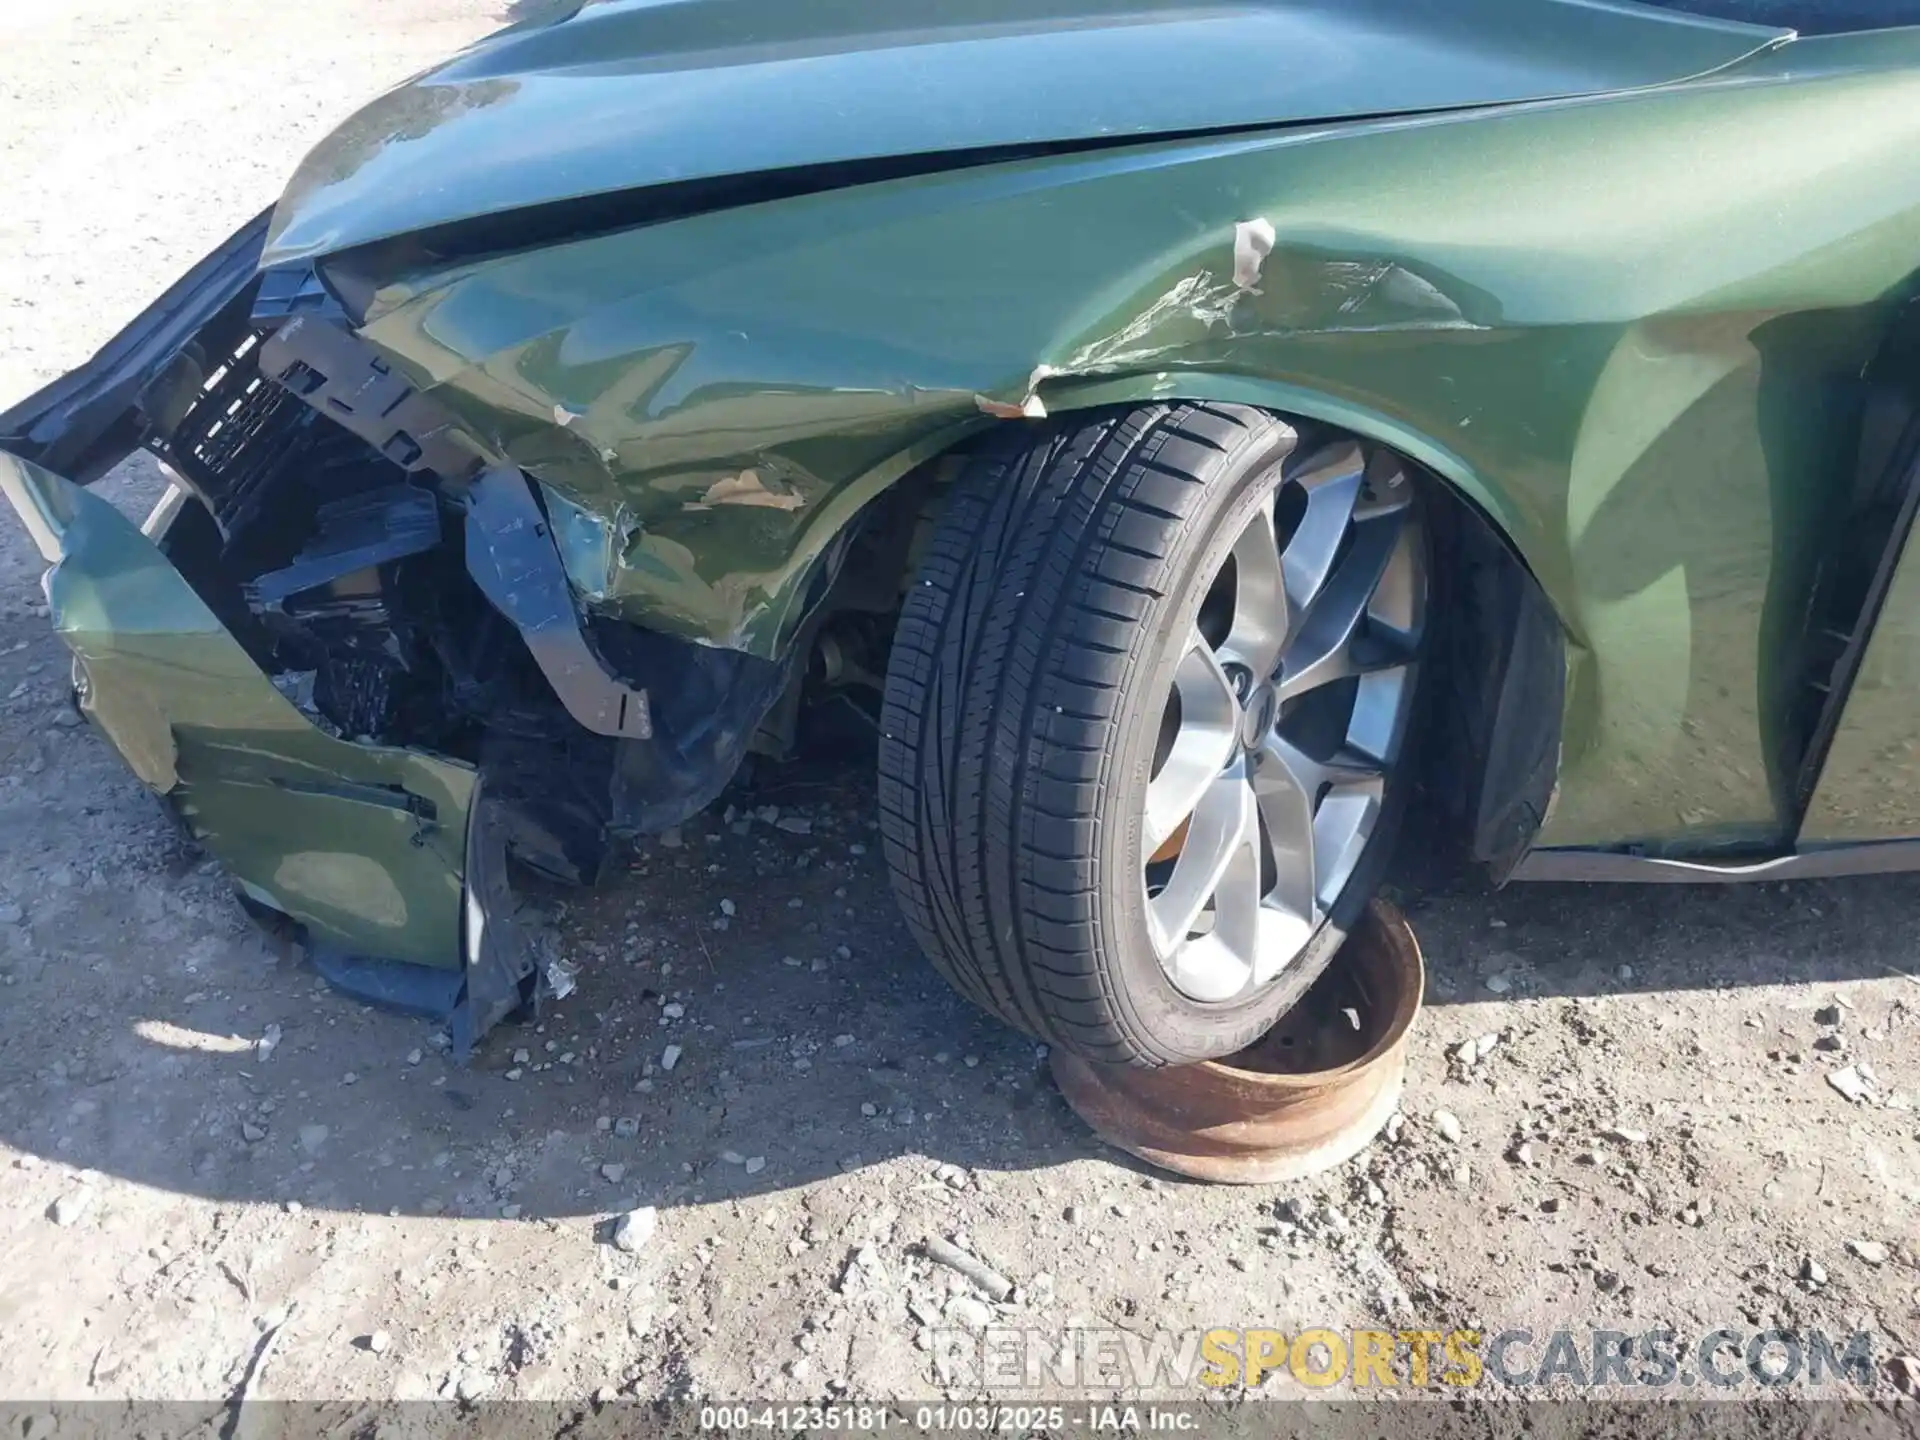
<point>627,94</point>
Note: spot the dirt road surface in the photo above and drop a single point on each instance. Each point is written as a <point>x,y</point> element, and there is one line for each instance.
<point>1649,1140</point>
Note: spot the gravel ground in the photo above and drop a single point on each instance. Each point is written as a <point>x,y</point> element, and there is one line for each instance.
<point>1647,1135</point>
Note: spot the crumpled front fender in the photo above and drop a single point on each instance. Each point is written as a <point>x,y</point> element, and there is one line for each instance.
<point>364,845</point>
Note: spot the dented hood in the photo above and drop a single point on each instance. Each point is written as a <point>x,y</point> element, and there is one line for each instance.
<point>627,94</point>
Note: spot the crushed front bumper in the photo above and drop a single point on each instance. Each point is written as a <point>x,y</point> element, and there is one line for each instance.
<point>390,860</point>
<point>379,854</point>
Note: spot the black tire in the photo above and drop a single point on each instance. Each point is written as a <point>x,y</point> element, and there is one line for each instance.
<point>1013,734</point>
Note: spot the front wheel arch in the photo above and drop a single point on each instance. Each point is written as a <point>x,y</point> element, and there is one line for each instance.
<point>938,685</point>
<point>1498,669</point>
<point>1496,709</point>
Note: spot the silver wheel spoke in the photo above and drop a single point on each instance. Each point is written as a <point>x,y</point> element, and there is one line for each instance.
<point>1379,716</point>
<point>1315,777</point>
<point>1385,489</point>
<point>1324,649</point>
<point>1236,899</point>
<point>1398,602</point>
<point>1269,780</point>
<point>1204,743</point>
<point>1260,608</point>
<point>1332,480</point>
<point>1224,829</point>
<point>1285,797</point>
<point>1341,828</point>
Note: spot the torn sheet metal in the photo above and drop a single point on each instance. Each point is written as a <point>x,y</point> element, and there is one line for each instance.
<point>500,944</point>
<point>349,382</point>
<point>709,441</point>
<point>748,488</point>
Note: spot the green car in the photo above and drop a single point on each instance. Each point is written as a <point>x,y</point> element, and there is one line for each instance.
<point>1181,429</point>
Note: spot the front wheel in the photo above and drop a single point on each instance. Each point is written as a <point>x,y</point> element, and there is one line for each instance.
<point>1145,717</point>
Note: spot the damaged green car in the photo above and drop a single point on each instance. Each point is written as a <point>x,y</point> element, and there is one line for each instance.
<point>1185,430</point>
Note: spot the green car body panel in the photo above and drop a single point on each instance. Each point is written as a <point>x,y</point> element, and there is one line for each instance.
<point>717,275</point>
<point>1628,328</point>
<point>362,844</point>
<point>629,94</point>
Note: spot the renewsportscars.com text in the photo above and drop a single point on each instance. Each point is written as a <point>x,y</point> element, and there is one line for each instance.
<point>1095,1359</point>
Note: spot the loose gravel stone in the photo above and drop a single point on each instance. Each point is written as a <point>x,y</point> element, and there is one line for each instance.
<point>969,1313</point>
<point>633,1230</point>
<point>473,1385</point>
<point>1871,1251</point>
<point>1904,1372</point>
<point>1852,1084</point>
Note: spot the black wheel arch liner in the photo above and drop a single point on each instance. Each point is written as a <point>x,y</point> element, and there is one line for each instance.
<point>1493,761</point>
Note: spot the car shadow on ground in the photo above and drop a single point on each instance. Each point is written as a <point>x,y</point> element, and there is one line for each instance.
<point>518,10</point>
<point>751,1016</point>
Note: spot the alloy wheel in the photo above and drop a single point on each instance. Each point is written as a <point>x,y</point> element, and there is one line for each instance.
<point>1284,721</point>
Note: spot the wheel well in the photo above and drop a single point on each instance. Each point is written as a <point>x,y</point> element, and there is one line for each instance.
<point>1488,759</point>
<point>1495,693</point>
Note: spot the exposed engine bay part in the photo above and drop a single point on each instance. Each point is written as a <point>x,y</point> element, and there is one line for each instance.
<point>297,655</point>
<point>342,377</point>
<point>361,844</point>
<point>356,534</point>
<point>442,617</point>
<point>510,552</point>
<point>509,546</point>
<point>390,610</point>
